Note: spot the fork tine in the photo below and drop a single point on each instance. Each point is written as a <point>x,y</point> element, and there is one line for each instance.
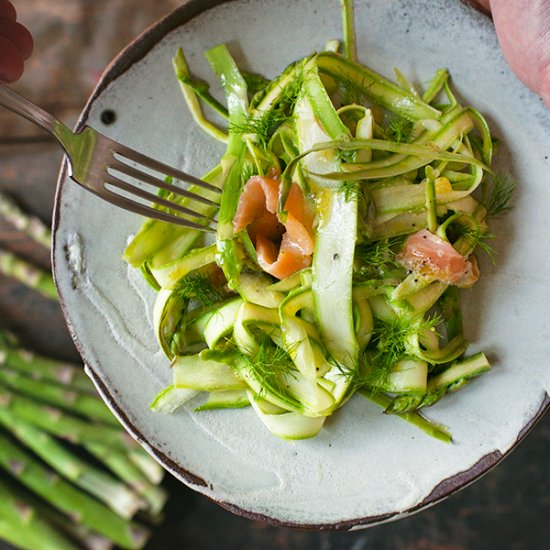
<point>151,180</point>
<point>148,211</point>
<point>134,190</point>
<point>130,154</point>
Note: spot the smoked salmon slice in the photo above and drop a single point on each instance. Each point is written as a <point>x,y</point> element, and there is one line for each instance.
<point>430,255</point>
<point>282,247</point>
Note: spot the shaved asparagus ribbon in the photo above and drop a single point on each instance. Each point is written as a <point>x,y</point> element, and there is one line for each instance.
<point>378,161</point>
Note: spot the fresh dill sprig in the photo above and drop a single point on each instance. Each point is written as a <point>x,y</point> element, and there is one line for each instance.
<point>249,170</point>
<point>350,91</point>
<point>294,91</point>
<point>377,254</point>
<point>502,190</point>
<point>389,345</point>
<point>377,371</point>
<point>399,129</point>
<point>369,372</point>
<point>351,189</point>
<point>263,126</point>
<point>388,339</point>
<point>270,363</point>
<point>476,237</point>
<point>198,287</point>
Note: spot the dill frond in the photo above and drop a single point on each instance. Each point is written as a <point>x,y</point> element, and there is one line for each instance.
<point>476,237</point>
<point>261,127</point>
<point>293,92</point>
<point>399,130</point>
<point>351,190</point>
<point>377,254</point>
<point>386,348</point>
<point>477,144</point>
<point>502,191</point>
<point>264,124</point>
<point>269,364</point>
<point>248,171</point>
<point>378,371</point>
<point>198,287</point>
<point>350,91</point>
<point>388,344</point>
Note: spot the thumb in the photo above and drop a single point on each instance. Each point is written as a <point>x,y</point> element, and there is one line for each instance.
<point>523,31</point>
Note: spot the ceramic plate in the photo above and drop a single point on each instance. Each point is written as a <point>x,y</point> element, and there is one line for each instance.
<point>364,467</point>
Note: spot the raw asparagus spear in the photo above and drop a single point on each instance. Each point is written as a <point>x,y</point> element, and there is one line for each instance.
<point>152,469</point>
<point>81,507</point>
<point>29,274</point>
<point>431,428</point>
<point>34,227</point>
<point>76,430</point>
<point>103,486</point>
<point>120,464</point>
<point>60,423</point>
<point>22,525</point>
<point>44,368</point>
<point>81,403</point>
<point>82,535</point>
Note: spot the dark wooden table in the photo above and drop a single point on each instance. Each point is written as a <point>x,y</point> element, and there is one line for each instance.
<point>507,509</point>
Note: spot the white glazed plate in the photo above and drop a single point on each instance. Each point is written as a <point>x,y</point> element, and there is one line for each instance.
<point>363,467</point>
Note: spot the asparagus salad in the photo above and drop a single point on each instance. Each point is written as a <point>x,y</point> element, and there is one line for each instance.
<point>345,232</point>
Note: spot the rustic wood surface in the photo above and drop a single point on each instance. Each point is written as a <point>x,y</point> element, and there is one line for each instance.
<point>74,41</point>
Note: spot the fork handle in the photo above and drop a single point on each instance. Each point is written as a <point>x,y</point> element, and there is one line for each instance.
<point>18,104</point>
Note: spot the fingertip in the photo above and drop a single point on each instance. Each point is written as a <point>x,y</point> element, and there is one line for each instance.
<point>25,42</point>
<point>7,10</point>
<point>483,6</point>
<point>18,35</point>
<point>545,95</point>
<point>543,88</point>
<point>11,75</point>
<point>11,61</point>
<point>29,43</point>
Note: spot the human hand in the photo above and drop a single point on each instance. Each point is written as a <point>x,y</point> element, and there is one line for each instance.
<point>16,43</point>
<point>523,31</point>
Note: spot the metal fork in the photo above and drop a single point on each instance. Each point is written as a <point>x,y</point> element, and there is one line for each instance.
<point>94,160</point>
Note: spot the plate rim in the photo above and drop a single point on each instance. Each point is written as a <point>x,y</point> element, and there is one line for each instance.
<point>131,54</point>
